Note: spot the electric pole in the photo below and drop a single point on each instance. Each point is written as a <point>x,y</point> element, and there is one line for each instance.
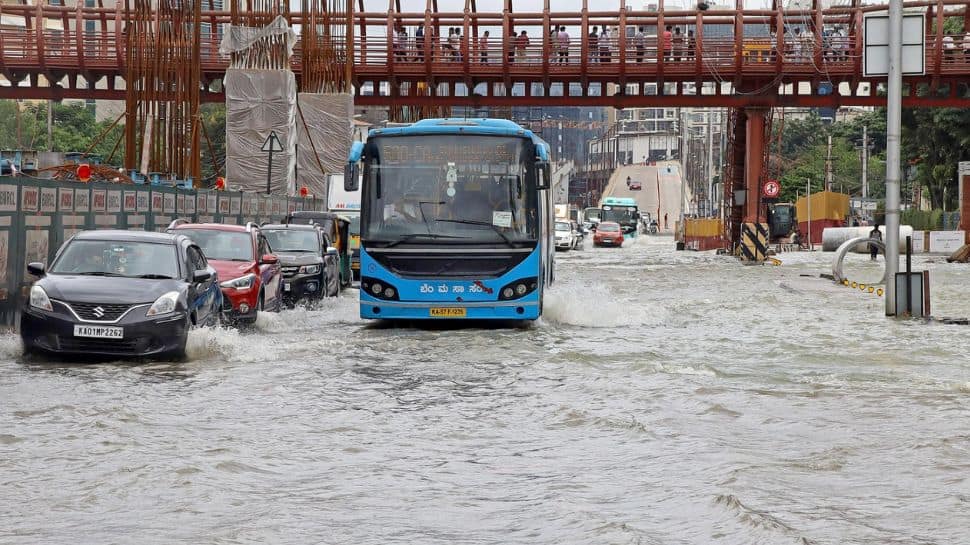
<point>865,162</point>
<point>828,165</point>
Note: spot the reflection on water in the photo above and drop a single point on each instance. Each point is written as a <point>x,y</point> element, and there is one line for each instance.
<point>664,397</point>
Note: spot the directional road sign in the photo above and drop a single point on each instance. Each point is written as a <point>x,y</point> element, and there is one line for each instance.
<point>272,143</point>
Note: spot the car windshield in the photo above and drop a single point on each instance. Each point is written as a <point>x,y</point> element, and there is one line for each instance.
<point>562,226</point>
<point>292,240</point>
<point>609,227</point>
<point>117,258</point>
<point>461,189</point>
<point>222,245</point>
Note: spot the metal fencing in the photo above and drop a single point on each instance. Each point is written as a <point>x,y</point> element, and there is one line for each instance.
<point>37,216</point>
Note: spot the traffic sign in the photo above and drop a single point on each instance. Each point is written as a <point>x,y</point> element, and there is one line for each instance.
<point>772,189</point>
<point>272,143</point>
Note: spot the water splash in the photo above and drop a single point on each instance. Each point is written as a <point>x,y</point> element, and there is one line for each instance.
<point>595,305</point>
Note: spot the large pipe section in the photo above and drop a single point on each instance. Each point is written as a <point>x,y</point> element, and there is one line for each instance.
<point>833,237</point>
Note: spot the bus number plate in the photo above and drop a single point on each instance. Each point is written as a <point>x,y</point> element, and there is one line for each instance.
<point>449,312</point>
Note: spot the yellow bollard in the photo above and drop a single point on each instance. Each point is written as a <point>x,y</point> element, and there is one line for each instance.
<point>855,284</point>
<point>845,283</point>
<point>871,289</point>
<point>879,292</point>
<point>862,287</point>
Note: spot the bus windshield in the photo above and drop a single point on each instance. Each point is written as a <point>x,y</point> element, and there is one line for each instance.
<point>619,214</point>
<point>463,189</point>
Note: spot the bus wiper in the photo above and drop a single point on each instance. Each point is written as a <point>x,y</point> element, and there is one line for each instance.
<point>486,224</point>
<point>412,236</point>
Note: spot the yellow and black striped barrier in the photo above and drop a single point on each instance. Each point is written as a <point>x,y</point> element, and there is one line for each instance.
<point>864,288</point>
<point>754,242</point>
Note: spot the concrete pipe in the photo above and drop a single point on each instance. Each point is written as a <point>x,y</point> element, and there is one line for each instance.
<point>833,237</point>
<point>844,249</point>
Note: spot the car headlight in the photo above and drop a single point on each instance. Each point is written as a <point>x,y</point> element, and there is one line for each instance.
<point>39,299</point>
<point>310,269</point>
<point>241,283</point>
<point>164,305</point>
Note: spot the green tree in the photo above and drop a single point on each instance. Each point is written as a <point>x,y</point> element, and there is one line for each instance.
<point>74,128</point>
<point>214,157</point>
<point>935,140</point>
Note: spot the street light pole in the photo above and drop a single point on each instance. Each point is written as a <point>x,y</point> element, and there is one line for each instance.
<point>893,129</point>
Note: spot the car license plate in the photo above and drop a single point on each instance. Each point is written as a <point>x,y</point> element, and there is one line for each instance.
<point>286,286</point>
<point>449,312</point>
<point>99,331</point>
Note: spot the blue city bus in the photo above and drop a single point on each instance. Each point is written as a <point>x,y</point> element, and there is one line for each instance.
<point>456,220</point>
<point>622,210</point>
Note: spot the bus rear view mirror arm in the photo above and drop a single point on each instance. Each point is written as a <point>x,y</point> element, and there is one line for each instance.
<point>351,182</point>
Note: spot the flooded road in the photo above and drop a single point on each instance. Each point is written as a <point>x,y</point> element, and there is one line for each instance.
<point>666,397</point>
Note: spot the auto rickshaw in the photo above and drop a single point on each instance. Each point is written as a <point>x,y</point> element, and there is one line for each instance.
<point>336,229</point>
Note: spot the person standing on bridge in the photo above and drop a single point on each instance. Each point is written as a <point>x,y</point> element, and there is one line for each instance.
<point>668,42</point>
<point>521,45</point>
<point>606,42</point>
<point>483,47</point>
<point>563,38</point>
<point>875,234</point>
<point>419,43</point>
<point>594,45</point>
<point>639,42</point>
<point>678,40</point>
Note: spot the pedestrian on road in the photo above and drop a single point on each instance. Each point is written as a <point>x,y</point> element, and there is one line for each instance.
<point>665,221</point>
<point>628,182</point>
<point>875,234</point>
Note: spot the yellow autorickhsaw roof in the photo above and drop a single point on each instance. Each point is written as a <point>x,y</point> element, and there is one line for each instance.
<point>826,205</point>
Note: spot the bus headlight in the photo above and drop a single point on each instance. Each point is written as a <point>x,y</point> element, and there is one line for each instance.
<point>379,289</point>
<point>518,289</point>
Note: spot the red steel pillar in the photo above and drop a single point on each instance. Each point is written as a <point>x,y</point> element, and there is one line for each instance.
<point>754,159</point>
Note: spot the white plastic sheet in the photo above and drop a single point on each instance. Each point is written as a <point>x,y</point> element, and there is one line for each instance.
<point>324,141</point>
<point>240,38</point>
<point>257,103</point>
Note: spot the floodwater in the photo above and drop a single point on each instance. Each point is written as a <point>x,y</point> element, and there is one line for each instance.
<point>666,397</point>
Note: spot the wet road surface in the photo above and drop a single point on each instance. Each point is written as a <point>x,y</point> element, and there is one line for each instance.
<point>665,397</point>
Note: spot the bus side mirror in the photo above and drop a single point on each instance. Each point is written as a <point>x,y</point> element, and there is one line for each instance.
<point>542,174</point>
<point>351,182</point>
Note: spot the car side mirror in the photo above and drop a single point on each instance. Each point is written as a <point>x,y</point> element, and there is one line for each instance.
<point>269,259</point>
<point>201,276</point>
<point>37,269</point>
<point>331,250</point>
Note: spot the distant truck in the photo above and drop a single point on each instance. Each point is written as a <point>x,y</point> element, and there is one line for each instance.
<point>347,203</point>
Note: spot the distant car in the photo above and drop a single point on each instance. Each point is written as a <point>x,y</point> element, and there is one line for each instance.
<point>635,186</point>
<point>608,233</point>
<point>250,273</point>
<point>310,267</point>
<point>565,236</point>
<point>120,293</point>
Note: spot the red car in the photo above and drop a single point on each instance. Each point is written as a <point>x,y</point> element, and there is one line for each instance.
<point>635,186</point>
<point>249,273</point>
<point>608,233</point>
